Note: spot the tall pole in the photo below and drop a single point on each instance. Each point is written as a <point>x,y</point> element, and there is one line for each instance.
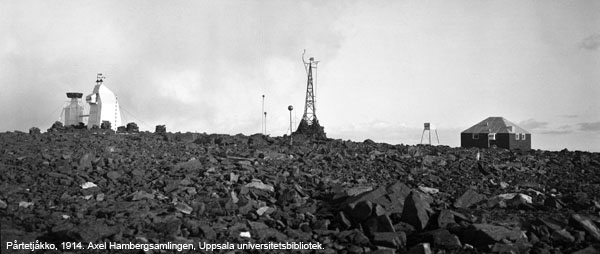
<point>265,123</point>
<point>290,108</point>
<point>262,121</point>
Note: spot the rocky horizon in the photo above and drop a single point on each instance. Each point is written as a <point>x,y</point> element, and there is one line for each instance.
<point>98,187</point>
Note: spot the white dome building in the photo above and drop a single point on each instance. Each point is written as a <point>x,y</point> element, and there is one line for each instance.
<point>104,106</point>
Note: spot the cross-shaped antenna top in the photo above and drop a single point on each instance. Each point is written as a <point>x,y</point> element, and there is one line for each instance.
<point>100,78</point>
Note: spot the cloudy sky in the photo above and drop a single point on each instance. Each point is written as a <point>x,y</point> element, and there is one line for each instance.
<point>386,66</point>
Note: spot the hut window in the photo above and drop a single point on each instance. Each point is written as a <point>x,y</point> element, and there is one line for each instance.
<point>523,136</point>
<point>517,135</point>
<point>492,136</point>
<point>475,135</point>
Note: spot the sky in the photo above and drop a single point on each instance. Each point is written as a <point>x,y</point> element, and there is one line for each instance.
<point>386,67</point>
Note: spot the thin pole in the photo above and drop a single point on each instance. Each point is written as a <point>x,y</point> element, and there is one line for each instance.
<point>290,108</point>
<point>262,121</point>
<point>265,123</point>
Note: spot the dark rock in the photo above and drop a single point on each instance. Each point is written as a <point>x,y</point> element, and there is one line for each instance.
<point>415,211</point>
<point>191,165</point>
<point>588,250</point>
<point>422,248</point>
<point>396,240</point>
<point>581,199</point>
<point>86,232</point>
<point>404,227</point>
<point>90,191</point>
<point>321,225</point>
<point>586,224</point>
<point>445,218</point>
<point>366,196</point>
<point>555,203</point>
<point>114,175</point>
<point>354,236</point>
<point>550,223</point>
<point>208,232</point>
<point>505,248</point>
<point>469,198</point>
<point>377,224</point>
<point>397,194</point>
<point>56,126</point>
<point>132,127</point>
<point>160,129</point>
<point>480,235</point>
<point>442,238</point>
<point>360,211</point>
<point>34,130</point>
<point>563,236</point>
<point>85,161</point>
<point>139,195</point>
<point>384,250</point>
<point>271,234</point>
<point>105,125</point>
<point>184,208</point>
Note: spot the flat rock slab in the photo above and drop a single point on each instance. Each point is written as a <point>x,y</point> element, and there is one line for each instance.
<point>485,234</point>
<point>587,224</point>
<point>588,250</point>
<point>394,240</point>
<point>469,198</point>
<point>442,238</point>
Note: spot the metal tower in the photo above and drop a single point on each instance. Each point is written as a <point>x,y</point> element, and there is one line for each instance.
<point>309,108</point>
<point>309,125</point>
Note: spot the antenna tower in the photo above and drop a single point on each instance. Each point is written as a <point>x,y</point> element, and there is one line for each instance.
<point>309,125</point>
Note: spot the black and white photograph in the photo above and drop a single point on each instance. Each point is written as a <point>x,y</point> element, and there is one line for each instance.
<point>300,126</point>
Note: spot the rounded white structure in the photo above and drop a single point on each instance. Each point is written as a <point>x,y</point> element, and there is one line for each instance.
<point>104,106</point>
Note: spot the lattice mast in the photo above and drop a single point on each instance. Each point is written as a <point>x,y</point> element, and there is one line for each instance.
<point>309,125</point>
<point>310,110</point>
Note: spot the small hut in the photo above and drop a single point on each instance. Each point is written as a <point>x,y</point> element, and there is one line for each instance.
<point>496,131</point>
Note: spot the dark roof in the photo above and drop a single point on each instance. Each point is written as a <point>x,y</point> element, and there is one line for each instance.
<point>495,125</point>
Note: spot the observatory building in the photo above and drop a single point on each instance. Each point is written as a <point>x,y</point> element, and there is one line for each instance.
<point>103,106</point>
<point>73,112</point>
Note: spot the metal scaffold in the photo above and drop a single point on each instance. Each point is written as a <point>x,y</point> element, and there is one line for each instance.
<point>309,125</point>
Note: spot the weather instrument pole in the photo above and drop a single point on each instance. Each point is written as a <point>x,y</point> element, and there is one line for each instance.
<point>290,108</point>
<point>262,122</point>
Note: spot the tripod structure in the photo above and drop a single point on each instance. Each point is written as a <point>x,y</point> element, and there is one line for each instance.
<point>427,127</point>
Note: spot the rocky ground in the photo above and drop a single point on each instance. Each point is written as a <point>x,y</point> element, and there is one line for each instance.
<point>351,197</point>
